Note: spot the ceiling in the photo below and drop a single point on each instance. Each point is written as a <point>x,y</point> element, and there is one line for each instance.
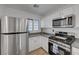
<point>43,9</point>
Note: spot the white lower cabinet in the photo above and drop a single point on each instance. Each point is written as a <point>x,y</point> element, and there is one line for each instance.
<point>34,43</point>
<point>37,42</point>
<point>44,43</point>
<point>75,51</point>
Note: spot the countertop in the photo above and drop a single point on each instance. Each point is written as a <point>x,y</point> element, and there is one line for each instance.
<point>76,43</point>
<point>39,34</point>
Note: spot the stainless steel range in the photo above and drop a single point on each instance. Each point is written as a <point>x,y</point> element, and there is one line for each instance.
<point>61,44</point>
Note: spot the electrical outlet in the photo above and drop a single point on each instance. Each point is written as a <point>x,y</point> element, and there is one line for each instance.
<point>53,30</point>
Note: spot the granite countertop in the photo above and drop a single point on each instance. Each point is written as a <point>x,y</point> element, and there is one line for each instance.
<point>76,43</point>
<point>34,35</point>
<point>39,34</point>
<point>46,35</point>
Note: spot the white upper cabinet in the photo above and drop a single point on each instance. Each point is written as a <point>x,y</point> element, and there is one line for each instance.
<point>67,11</point>
<point>47,21</point>
<point>76,12</point>
<point>42,23</point>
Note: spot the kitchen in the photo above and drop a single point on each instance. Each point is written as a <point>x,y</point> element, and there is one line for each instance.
<point>51,29</point>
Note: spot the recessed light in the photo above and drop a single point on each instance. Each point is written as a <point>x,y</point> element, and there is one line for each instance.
<point>63,17</point>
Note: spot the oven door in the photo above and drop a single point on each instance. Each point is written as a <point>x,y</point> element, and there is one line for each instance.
<point>63,51</point>
<point>52,50</point>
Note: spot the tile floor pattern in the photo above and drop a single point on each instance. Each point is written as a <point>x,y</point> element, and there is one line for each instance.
<point>39,51</point>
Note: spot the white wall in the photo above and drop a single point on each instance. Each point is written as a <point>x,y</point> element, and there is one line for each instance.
<point>19,13</point>
<point>46,22</point>
<point>4,11</point>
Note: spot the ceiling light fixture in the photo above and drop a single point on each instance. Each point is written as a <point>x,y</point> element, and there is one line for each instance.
<point>36,6</point>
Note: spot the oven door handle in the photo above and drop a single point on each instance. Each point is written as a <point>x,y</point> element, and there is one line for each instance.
<point>50,42</point>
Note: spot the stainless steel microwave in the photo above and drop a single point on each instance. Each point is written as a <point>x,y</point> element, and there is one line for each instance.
<point>68,21</point>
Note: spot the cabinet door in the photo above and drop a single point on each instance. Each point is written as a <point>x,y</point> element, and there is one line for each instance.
<point>37,42</point>
<point>34,43</point>
<point>44,42</point>
<point>31,44</point>
<point>75,51</point>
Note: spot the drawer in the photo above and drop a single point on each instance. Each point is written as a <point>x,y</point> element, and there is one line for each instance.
<point>75,51</point>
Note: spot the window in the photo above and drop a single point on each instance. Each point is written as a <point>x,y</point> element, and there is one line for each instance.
<point>36,24</point>
<point>33,25</point>
<point>30,25</point>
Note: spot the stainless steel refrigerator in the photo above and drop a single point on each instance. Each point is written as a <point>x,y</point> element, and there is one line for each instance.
<point>14,36</point>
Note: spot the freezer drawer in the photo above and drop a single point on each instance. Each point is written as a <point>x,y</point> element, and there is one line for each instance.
<point>24,43</point>
<point>8,44</point>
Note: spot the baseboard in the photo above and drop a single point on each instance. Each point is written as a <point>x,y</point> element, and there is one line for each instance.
<point>43,49</point>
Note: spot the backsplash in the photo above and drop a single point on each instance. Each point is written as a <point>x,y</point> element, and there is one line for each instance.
<point>71,31</point>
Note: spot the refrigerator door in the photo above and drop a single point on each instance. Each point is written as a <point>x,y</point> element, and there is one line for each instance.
<point>24,43</point>
<point>8,24</point>
<point>18,24</point>
<point>23,25</point>
<point>22,37</point>
<point>8,44</point>
<point>17,44</point>
<point>13,24</point>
